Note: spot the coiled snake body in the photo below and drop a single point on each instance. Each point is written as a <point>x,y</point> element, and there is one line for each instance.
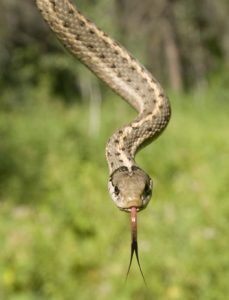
<point>130,187</point>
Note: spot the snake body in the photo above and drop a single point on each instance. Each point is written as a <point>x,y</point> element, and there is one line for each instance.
<point>129,186</point>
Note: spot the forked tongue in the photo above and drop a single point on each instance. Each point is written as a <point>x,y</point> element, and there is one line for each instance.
<point>134,242</point>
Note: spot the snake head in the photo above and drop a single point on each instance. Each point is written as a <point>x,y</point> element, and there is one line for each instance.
<point>130,188</point>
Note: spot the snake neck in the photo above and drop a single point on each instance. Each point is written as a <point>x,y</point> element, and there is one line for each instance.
<point>125,142</point>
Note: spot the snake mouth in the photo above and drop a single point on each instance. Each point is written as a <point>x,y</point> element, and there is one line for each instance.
<point>129,208</point>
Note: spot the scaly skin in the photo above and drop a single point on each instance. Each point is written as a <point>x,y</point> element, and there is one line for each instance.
<point>129,186</point>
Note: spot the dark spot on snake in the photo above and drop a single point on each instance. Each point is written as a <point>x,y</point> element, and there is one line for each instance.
<point>133,68</point>
<point>71,11</point>
<point>120,160</point>
<point>116,52</point>
<point>82,23</point>
<point>144,79</point>
<point>151,90</point>
<point>129,80</point>
<point>88,21</point>
<point>137,88</point>
<point>102,56</point>
<point>143,95</point>
<point>149,129</point>
<point>153,80</point>
<point>53,4</point>
<point>113,66</point>
<point>154,101</point>
<point>154,116</point>
<point>112,164</point>
<point>124,138</point>
<point>161,106</point>
<point>116,141</point>
<point>120,131</point>
<point>108,153</point>
<point>123,148</point>
<point>135,168</point>
<point>117,153</point>
<point>123,169</point>
<point>104,34</point>
<point>124,59</point>
<point>77,37</point>
<point>90,46</point>
<point>66,24</point>
<point>120,169</point>
<point>91,31</point>
<point>119,75</point>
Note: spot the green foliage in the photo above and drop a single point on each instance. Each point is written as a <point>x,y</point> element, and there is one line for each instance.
<point>61,236</point>
<point>194,43</point>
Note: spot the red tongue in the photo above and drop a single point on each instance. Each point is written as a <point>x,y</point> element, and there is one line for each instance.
<point>134,242</point>
<point>134,221</point>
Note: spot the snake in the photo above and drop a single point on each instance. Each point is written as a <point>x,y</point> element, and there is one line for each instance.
<point>130,187</point>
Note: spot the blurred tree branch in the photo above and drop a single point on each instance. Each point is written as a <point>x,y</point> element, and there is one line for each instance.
<point>181,42</point>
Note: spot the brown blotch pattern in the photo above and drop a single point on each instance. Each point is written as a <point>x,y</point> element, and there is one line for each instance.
<point>78,37</point>
<point>66,24</point>
<point>71,11</point>
<point>82,23</point>
<point>90,46</point>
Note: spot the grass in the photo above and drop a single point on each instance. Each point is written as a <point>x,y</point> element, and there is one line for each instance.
<point>61,236</point>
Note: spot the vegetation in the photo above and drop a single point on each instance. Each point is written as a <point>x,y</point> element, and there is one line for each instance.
<point>61,236</point>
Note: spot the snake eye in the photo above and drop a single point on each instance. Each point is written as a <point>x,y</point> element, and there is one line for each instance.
<point>116,190</point>
<point>147,190</point>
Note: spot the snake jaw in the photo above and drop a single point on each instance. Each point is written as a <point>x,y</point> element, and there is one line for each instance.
<point>130,207</point>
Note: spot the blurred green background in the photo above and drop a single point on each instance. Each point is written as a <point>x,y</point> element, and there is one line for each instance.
<point>61,237</point>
